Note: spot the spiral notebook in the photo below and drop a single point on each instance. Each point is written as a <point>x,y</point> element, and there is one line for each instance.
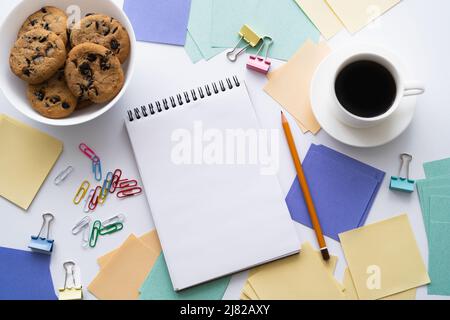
<point>212,219</point>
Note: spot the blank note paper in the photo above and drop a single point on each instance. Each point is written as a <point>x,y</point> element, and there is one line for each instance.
<point>150,239</point>
<point>27,155</point>
<point>304,276</point>
<point>199,29</point>
<point>159,21</point>
<point>437,168</point>
<point>356,14</point>
<point>322,16</point>
<point>123,275</point>
<point>283,20</point>
<point>439,239</point>
<point>289,85</point>
<point>158,286</point>
<point>25,275</point>
<point>385,256</point>
<point>343,190</point>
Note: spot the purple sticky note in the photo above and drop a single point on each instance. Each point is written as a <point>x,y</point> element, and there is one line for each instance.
<point>342,193</point>
<point>25,275</point>
<point>357,165</point>
<point>161,21</point>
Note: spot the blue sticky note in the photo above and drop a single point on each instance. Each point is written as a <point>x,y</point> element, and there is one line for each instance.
<point>357,165</point>
<point>158,286</point>
<point>343,190</point>
<point>439,238</point>
<point>25,276</point>
<point>161,21</point>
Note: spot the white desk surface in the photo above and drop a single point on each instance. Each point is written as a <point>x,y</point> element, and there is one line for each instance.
<point>416,30</point>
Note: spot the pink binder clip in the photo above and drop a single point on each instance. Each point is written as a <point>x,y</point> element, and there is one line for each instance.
<point>257,62</point>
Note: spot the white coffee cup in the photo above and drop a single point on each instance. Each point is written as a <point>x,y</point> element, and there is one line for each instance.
<point>392,64</point>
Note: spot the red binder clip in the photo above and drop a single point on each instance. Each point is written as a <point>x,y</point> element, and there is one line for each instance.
<point>257,62</point>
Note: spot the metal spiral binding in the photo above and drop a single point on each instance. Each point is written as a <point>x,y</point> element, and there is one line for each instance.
<point>180,99</point>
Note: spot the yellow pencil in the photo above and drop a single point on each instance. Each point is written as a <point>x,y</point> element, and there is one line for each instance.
<point>305,189</point>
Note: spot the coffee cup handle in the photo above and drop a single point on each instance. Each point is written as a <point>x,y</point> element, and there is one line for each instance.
<point>413,89</point>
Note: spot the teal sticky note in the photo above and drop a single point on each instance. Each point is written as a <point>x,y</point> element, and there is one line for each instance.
<point>199,27</point>
<point>437,168</point>
<point>439,238</point>
<point>283,20</point>
<point>192,49</point>
<point>431,187</point>
<point>158,286</point>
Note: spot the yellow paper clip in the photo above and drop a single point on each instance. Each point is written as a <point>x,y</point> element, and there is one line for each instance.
<point>247,34</point>
<point>81,192</point>
<point>73,292</point>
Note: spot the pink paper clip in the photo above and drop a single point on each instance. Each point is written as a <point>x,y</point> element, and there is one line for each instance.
<point>126,184</point>
<point>88,152</point>
<point>129,192</point>
<point>257,62</point>
<point>115,180</point>
<point>94,200</point>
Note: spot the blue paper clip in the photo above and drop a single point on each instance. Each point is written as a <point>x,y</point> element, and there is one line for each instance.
<point>97,168</point>
<point>404,184</point>
<point>43,244</point>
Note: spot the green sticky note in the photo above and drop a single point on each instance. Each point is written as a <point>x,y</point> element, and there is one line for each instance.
<point>158,286</point>
<point>439,238</point>
<point>431,187</point>
<point>437,168</point>
<point>199,27</point>
<point>283,20</point>
<point>192,49</point>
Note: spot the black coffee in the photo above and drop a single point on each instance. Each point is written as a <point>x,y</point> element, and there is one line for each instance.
<point>366,89</point>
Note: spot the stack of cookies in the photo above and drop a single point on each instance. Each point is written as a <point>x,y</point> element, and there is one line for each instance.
<point>68,68</point>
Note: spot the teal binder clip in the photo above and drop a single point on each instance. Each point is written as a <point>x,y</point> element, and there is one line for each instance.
<point>43,244</point>
<point>404,184</point>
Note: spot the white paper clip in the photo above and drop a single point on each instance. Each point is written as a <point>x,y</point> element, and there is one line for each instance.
<point>116,219</point>
<point>87,200</point>
<point>81,225</point>
<point>63,175</point>
<point>73,292</point>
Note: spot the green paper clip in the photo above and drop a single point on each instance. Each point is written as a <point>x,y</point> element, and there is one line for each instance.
<point>95,233</point>
<point>110,229</point>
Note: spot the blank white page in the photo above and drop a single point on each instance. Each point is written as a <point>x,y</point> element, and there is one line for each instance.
<point>212,220</point>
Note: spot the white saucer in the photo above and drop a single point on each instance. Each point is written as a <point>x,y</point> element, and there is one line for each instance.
<point>322,103</point>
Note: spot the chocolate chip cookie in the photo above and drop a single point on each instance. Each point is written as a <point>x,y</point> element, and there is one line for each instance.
<point>102,30</point>
<point>37,55</point>
<point>93,72</point>
<point>52,99</point>
<point>48,18</point>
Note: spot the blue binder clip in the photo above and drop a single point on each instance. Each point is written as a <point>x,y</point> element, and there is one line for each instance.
<point>43,244</point>
<point>404,184</point>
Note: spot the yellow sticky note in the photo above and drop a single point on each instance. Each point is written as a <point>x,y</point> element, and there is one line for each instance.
<point>150,239</point>
<point>383,258</point>
<point>123,275</point>
<point>302,276</point>
<point>26,157</point>
<point>290,85</point>
<point>356,14</point>
<point>350,290</point>
<point>322,16</point>
<point>250,292</point>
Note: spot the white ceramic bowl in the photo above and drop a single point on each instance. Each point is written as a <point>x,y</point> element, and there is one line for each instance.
<point>15,89</point>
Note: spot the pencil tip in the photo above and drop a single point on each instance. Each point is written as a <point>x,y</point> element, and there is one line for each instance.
<point>325,254</point>
<point>283,118</point>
